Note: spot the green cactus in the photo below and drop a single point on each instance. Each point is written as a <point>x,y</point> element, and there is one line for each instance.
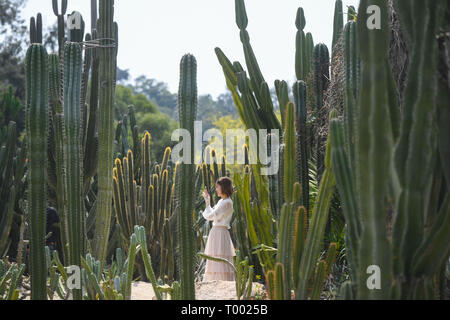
<point>36,29</point>
<point>317,225</point>
<point>352,80</point>
<point>338,23</point>
<point>394,164</point>
<point>8,186</point>
<point>321,63</point>
<point>73,154</point>
<point>107,60</point>
<point>301,64</point>
<point>61,24</point>
<point>37,135</point>
<point>254,104</point>
<point>309,51</point>
<point>299,91</point>
<point>187,106</point>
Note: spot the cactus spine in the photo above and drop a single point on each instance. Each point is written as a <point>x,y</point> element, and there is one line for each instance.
<point>107,81</point>
<point>187,107</point>
<point>37,135</point>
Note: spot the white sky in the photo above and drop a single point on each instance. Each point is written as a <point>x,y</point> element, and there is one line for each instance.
<point>154,35</point>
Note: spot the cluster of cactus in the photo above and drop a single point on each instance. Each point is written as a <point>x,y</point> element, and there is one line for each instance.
<point>299,238</point>
<point>12,167</point>
<point>63,135</point>
<point>10,278</point>
<point>253,100</point>
<point>149,204</point>
<point>387,162</point>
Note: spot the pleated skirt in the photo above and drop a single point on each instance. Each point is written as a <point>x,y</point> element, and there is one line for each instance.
<point>219,244</point>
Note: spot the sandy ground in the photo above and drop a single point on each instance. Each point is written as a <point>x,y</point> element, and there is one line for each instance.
<point>208,290</point>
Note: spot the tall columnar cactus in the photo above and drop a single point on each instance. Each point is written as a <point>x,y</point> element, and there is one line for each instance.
<point>289,168</point>
<point>374,148</point>
<point>418,250</point>
<point>321,64</point>
<point>299,91</point>
<point>107,82</point>
<point>187,108</point>
<point>352,67</point>
<point>309,52</point>
<point>254,103</point>
<point>37,135</point>
<point>73,154</point>
<point>317,225</point>
<point>57,146</point>
<point>338,23</point>
<point>301,63</point>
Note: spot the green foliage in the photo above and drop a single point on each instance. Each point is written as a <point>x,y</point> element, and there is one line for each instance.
<point>10,106</point>
<point>125,97</point>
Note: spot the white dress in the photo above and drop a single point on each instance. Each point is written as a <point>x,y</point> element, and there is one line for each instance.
<point>219,243</point>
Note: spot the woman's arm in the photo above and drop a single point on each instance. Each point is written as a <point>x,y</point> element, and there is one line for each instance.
<point>217,212</point>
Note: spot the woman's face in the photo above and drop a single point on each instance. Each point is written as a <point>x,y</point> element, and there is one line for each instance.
<point>218,190</point>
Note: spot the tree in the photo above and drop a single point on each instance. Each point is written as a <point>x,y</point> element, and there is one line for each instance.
<point>12,38</point>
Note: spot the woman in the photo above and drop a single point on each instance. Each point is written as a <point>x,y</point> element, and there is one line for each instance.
<point>219,242</point>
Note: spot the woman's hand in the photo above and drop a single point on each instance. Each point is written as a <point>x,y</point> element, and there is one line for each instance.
<point>206,196</point>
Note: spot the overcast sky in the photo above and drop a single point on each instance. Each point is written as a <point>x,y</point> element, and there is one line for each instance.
<point>154,35</point>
